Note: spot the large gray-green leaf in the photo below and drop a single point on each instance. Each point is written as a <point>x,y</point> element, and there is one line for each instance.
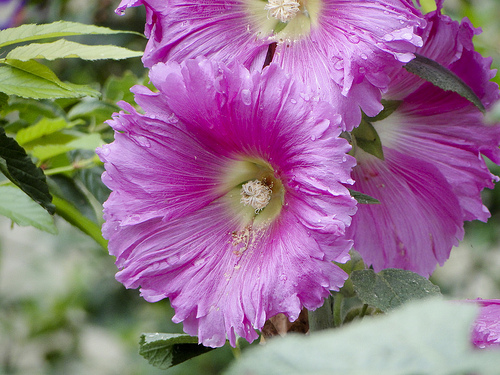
<point>29,32</point>
<point>30,79</point>
<point>165,350</point>
<point>17,166</point>
<point>66,49</point>
<point>23,211</point>
<point>429,337</point>
<point>391,288</point>
<point>442,77</point>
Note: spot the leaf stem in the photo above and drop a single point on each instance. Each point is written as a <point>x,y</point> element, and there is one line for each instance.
<point>72,215</point>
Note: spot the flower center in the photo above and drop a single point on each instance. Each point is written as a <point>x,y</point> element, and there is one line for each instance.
<point>283,10</point>
<point>255,194</point>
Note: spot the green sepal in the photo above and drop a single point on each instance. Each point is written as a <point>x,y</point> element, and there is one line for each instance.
<point>366,137</point>
<point>443,78</point>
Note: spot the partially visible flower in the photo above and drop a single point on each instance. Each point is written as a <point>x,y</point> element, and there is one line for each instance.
<point>486,328</point>
<point>344,50</point>
<point>433,171</point>
<point>9,11</point>
<point>228,197</point>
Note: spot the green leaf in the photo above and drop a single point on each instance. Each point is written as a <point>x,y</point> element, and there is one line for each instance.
<point>30,79</point>
<point>17,166</point>
<point>73,216</point>
<point>4,100</point>
<point>164,350</point>
<point>22,210</point>
<point>391,288</point>
<point>98,109</point>
<point>91,179</point>
<point>363,198</point>
<point>366,138</point>
<point>118,88</point>
<point>42,128</point>
<point>429,337</point>
<point>443,78</point>
<point>68,189</point>
<point>52,30</point>
<point>62,48</point>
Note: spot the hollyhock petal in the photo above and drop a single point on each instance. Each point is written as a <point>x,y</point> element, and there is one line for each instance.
<point>416,202</point>
<point>344,50</point>
<point>486,328</point>
<point>177,220</point>
<point>445,135</point>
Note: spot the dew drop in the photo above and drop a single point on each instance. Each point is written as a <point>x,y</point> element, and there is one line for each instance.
<point>305,96</point>
<point>388,37</point>
<point>353,38</point>
<point>172,259</point>
<point>339,65</point>
<point>363,56</point>
<point>246,96</point>
<point>143,141</point>
<point>283,278</point>
<point>313,137</point>
<point>293,101</point>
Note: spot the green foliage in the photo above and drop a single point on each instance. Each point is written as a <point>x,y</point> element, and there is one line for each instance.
<point>391,288</point>
<point>429,337</point>
<point>443,78</point>
<point>17,166</point>
<point>30,79</point>
<point>164,350</point>
<point>23,211</point>
<point>363,198</point>
<point>25,33</point>
<point>66,49</point>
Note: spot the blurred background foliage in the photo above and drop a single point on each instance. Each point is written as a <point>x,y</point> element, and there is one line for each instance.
<point>62,312</point>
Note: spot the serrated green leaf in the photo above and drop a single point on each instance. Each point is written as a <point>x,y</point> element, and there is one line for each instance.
<point>29,32</point>
<point>430,337</point>
<point>62,48</point>
<point>363,198</point>
<point>17,166</point>
<point>443,78</point>
<point>391,288</point>
<point>42,128</point>
<point>367,139</point>
<point>22,210</point>
<point>30,79</point>
<point>164,350</point>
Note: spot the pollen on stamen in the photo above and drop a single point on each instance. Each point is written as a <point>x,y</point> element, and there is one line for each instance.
<point>283,10</point>
<point>255,194</point>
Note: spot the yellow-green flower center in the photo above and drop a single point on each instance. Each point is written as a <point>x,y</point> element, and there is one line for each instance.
<point>283,10</point>
<point>283,20</point>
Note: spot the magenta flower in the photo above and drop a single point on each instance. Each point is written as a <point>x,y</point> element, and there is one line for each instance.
<point>486,328</point>
<point>343,49</point>
<point>9,13</point>
<point>228,197</point>
<point>433,173</point>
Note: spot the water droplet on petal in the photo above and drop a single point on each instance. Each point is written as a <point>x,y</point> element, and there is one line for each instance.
<point>143,141</point>
<point>293,101</point>
<point>246,96</point>
<point>353,38</point>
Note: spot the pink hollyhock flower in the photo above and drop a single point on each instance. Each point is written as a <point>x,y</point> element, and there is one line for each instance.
<point>433,173</point>
<point>9,13</point>
<point>227,197</point>
<point>342,49</point>
<point>486,328</point>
